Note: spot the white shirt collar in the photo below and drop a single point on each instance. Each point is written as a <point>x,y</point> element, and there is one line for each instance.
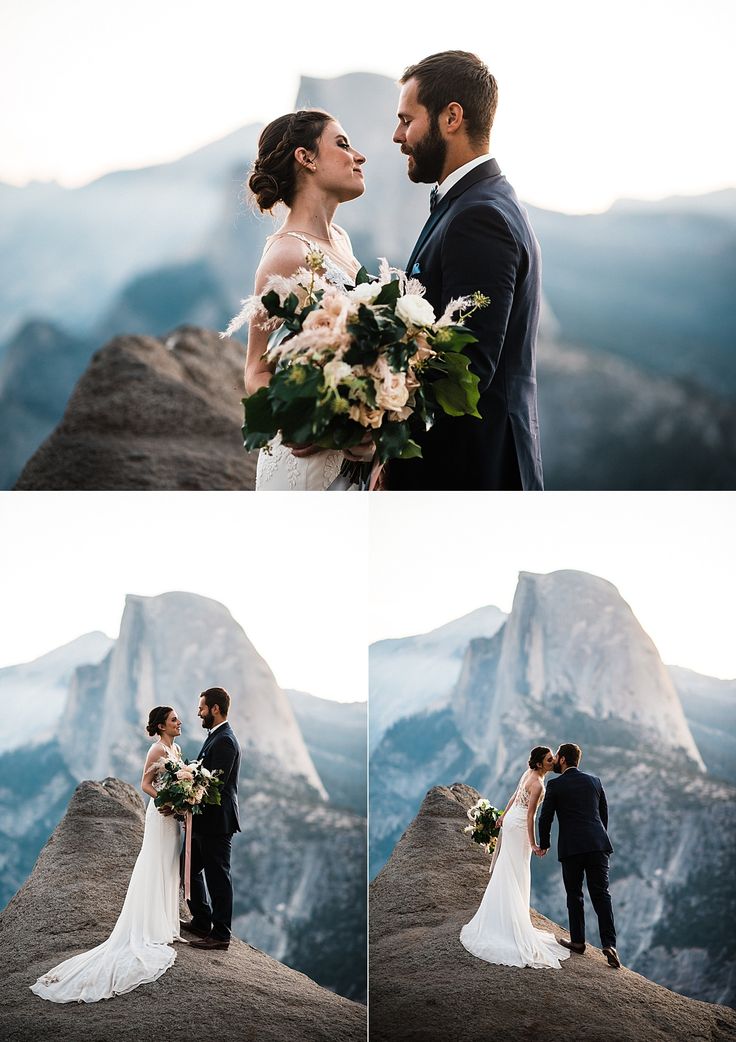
<point>215,728</point>
<point>454,177</point>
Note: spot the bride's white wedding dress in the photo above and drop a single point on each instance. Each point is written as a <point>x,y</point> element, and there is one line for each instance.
<point>138,949</point>
<point>501,930</point>
<point>278,469</point>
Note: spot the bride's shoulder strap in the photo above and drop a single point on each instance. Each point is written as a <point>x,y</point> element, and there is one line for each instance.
<point>302,238</point>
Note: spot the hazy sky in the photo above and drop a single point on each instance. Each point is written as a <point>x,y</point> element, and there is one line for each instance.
<point>671,556</point>
<point>597,100</point>
<point>313,579</point>
<point>68,559</point>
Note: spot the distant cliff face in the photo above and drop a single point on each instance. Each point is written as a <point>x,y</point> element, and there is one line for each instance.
<point>572,663</point>
<point>171,648</point>
<point>425,985</point>
<point>573,646</point>
<point>70,903</point>
<point>422,669</point>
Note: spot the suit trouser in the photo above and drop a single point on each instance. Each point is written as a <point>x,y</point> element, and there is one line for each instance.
<point>594,866</point>
<point>211,864</point>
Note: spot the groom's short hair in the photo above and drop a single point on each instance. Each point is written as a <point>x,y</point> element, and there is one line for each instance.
<point>217,696</point>
<point>457,76</point>
<point>571,752</point>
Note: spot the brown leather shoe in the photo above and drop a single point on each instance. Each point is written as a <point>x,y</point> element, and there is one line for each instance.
<point>579,949</point>
<point>613,960</point>
<point>191,928</point>
<point>211,944</point>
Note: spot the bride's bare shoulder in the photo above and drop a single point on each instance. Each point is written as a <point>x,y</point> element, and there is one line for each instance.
<point>157,750</point>
<point>282,255</point>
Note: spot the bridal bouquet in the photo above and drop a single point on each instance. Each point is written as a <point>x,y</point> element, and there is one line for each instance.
<point>485,828</point>
<point>186,786</point>
<point>368,361</point>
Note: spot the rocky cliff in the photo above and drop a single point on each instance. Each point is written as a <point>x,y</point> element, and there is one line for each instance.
<point>70,903</point>
<point>151,414</point>
<point>426,986</point>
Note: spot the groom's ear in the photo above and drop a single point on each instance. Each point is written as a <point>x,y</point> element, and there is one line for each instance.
<point>453,117</point>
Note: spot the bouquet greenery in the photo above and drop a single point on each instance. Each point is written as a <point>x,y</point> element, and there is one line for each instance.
<point>485,829</point>
<point>186,786</point>
<point>365,361</point>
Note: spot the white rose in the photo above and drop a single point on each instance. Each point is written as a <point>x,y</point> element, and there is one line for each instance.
<point>365,293</point>
<point>414,310</point>
<point>335,371</point>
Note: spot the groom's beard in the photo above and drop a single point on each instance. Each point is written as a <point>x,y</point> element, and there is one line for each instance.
<point>557,769</point>
<point>429,156</point>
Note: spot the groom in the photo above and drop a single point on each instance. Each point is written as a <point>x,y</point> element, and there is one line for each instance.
<point>477,237</point>
<point>583,847</point>
<point>213,829</point>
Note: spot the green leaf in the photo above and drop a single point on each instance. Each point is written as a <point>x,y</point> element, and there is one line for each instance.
<point>362,277</point>
<point>272,303</point>
<point>457,393</point>
<point>259,425</point>
<point>391,439</point>
<point>278,336</point>
<point>412,451</point>
<point>454,338</point>
<point>389,294</point>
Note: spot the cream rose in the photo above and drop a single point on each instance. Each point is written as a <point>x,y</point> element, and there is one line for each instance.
<point>392,392</point>
<point>335,371</point>
<point>366,416</point>
<point>414,310</point>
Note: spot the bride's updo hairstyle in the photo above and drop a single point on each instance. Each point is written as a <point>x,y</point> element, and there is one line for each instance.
<point>537,755</point>
<point>273,178</point>
<point>157,718</point>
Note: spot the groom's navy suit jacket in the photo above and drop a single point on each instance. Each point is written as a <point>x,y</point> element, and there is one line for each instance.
<point>580,803</point>
<point>221,752</point>
<point>478,237</point>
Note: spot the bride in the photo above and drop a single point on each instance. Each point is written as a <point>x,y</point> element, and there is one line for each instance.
<point>501,930</point>
<point>305,160</point>
<point>137,951</point>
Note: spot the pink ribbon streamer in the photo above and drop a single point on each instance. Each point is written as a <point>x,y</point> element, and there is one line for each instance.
<point>187,854</point>
<point>376,470</point>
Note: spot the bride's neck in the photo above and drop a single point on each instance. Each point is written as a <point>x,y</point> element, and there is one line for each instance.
<point>312,213</point>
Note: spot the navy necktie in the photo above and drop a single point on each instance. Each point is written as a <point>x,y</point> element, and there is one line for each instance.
<point>433,198</point>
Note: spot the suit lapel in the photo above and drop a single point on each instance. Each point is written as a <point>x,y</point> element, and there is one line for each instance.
<point>207,741</point>
<point>426,231</point>
<point>478,173</point>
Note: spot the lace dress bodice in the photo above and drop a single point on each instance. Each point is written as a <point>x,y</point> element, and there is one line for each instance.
<point>523,793</point>
<point>334,273</point>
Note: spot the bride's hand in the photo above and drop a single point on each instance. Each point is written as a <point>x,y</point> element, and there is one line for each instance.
<point>363,452</point>
<point>301,451</point>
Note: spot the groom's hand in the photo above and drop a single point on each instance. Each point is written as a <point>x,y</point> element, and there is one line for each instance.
<point>166,811</point>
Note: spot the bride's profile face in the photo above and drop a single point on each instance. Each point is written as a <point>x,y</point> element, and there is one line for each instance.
<point>172,726</point>
<point>338,165</point>
<point>548,763</point>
